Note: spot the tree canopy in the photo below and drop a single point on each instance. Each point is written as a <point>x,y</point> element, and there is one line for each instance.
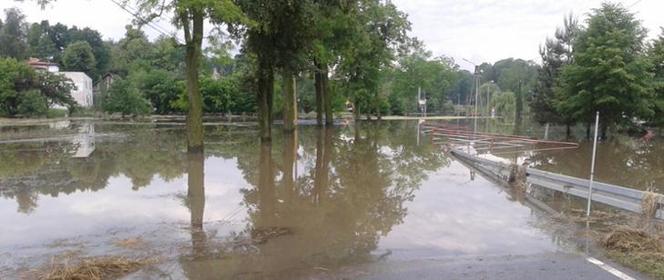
<point>609,73</point>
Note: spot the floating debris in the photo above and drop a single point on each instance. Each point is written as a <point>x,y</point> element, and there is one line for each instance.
<point>97,268</point>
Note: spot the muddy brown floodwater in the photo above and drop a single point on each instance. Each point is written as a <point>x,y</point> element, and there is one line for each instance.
<point>315,203</point>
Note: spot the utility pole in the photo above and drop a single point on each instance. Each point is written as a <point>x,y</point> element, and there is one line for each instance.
<point>477,88</point>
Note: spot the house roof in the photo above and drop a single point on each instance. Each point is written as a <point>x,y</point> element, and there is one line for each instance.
<point>37,63</point>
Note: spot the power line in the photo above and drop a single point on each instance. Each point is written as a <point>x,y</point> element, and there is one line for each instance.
<point>634,4</point>
<point>154,26</point>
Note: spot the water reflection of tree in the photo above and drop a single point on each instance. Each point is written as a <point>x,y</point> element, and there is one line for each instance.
<point>352,191</point>
<point>30,169</point>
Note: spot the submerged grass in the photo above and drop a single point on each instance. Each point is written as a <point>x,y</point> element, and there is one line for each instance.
<point>97,268</point>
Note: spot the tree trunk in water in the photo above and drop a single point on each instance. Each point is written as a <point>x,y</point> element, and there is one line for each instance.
<point>318,81</point>
<point>604,127</point>
<point>196,199</point>
<point>266,191</point>
<point>327,98</point>
<point>192,61</point>
<point>196,187</point>
<point>265,91</point>
<point>318,169</point>
<point>568,131</point>
<point>290,102</point>
<point>587,130</point>
<point>289,158</point>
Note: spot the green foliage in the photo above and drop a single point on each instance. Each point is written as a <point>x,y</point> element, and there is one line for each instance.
<point>48,42</point>
<point>505,104</point>
<point>378,33</point>
<point>224,95</point>
<point>39,43</point>
<point>656,57</point>
<point>17,78</point>
<point>436,77</point>
<point>32,103</point>
<point>123,97</point>
<point>160,87</point>
<point>609,73</point>
<point>461,89</point>
<point>556,53</point>
<point>78,56</point>
<point>55,87</point>
<point>12,35</point>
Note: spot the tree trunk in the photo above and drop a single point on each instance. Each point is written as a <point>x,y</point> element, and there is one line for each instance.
<point>327,98</point>
<point>318,169</point>
<point>196,199</point>
<point>604,127</point>
<point>588,130</point>
<point>266,191</point>
<point>568,130</point>
<point>265,91</point>
<point>192,63</point>
<point>196,187</point>
<point>519,104</point>
<point>318,81</point>
<point>290,102</point>
<point>289,158</point>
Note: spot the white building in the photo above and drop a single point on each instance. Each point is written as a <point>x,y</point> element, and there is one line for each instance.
<point>83,92</point>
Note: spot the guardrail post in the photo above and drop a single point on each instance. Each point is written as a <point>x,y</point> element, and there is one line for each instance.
<point>592,167</point>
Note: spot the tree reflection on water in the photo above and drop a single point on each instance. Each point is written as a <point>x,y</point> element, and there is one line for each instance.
<point>351,191</point>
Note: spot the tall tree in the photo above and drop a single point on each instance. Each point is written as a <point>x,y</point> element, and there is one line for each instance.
<point>656,57</point>
<point>331,31</point>
<point>276,41</point>
<point>190,16</point>
<point>13,35</point>
<point>39,43</point>
<point>609,73</point>
<point>555,54</point>
<point>78,56</point>
<point>100,49</point>
<point>381,30</point>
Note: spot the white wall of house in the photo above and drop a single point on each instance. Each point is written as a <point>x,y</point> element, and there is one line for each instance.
<point>83,92</point>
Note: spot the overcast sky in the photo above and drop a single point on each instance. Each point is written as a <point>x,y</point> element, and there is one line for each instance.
<point>478,30</point>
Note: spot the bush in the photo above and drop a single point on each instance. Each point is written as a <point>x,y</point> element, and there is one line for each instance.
<point>32,103</point>
<point>124,98</point>
<point>56,113</point>
<point>20,86</point>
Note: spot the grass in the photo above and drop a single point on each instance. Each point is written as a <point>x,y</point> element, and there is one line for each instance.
<point>56,113</point>
<point>97,268</point>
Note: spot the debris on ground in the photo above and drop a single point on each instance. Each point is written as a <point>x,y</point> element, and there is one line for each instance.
<point>130,243</point>
<point>605,219</point>
<point>638,249</point>
<point>650,203</point>
<point>626,239</point>
<point>93,268</point>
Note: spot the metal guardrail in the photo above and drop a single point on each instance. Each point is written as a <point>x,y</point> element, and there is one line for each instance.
<point>613,195</point>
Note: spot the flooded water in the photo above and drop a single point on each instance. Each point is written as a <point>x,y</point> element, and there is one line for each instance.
<point>621,160</point>
<point>310,203</point>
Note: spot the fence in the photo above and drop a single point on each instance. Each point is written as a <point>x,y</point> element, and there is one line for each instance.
<point>620,197</point>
